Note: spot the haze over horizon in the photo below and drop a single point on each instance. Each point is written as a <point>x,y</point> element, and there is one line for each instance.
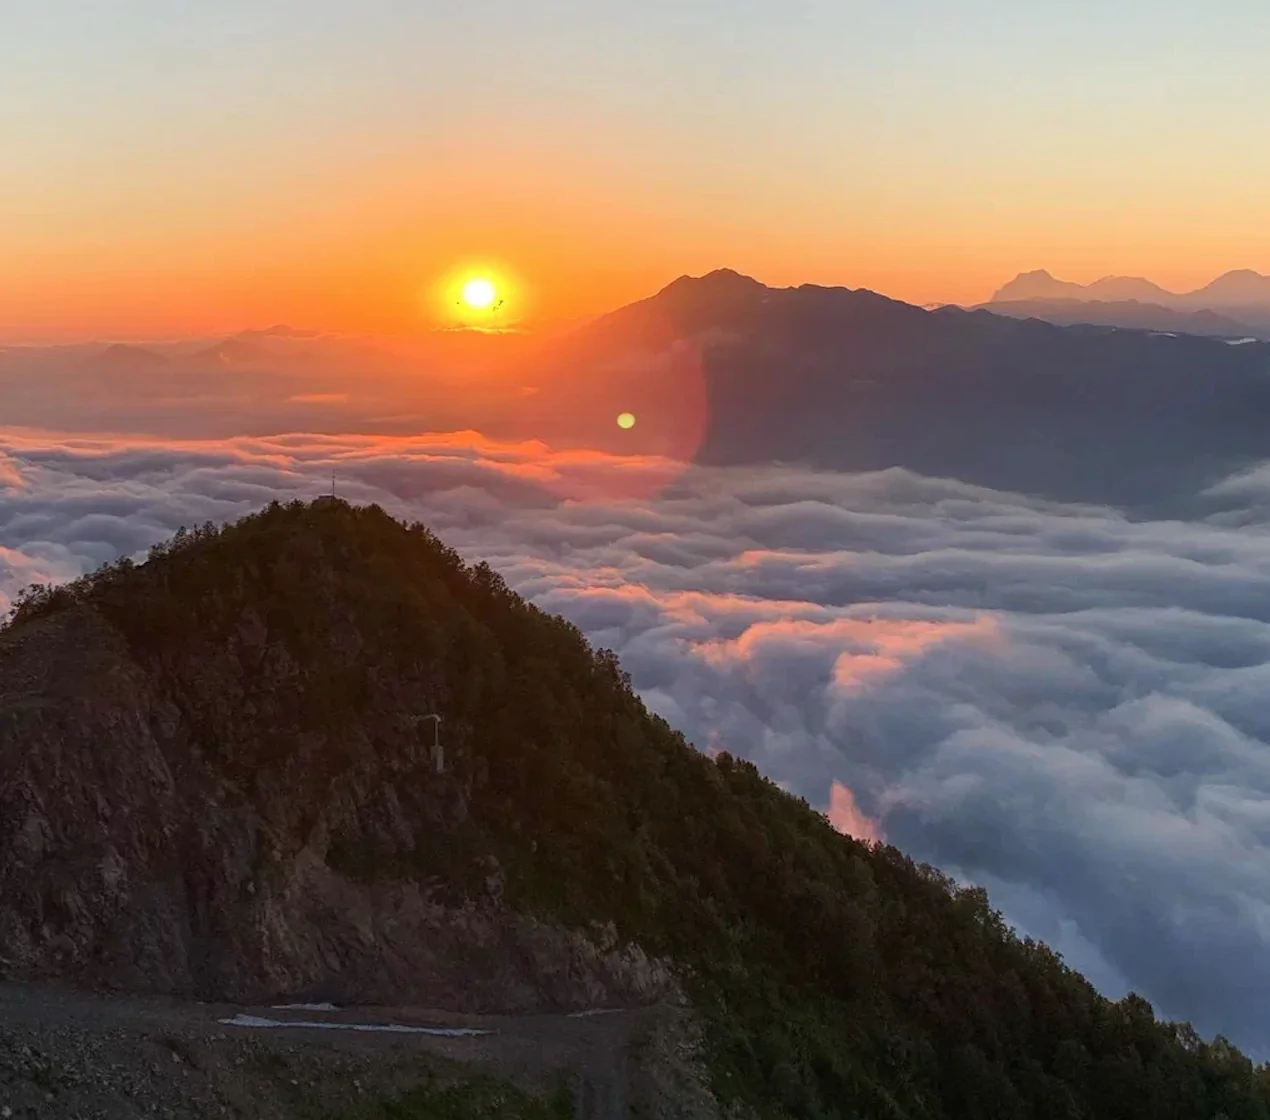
<point>1025,288</point>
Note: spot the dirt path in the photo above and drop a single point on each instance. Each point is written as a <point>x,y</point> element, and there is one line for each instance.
<point>67,1054</point>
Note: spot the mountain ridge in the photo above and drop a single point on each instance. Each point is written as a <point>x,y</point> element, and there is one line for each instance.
<point>1129,314</point>
<point>728,371</point>
<point>723,370</point>
<point>1235,288</point>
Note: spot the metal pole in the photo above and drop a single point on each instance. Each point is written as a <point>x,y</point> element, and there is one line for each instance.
<point>438,757</point>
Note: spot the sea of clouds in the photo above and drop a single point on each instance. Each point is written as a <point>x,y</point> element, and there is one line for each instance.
<point>1067,706</point>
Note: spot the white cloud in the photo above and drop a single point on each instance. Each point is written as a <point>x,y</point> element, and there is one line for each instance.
<point>1055,701</point>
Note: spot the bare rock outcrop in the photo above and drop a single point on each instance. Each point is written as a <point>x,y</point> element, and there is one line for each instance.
<point>183,827</point>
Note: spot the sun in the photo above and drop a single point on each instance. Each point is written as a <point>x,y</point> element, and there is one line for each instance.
<point>479,293</point>
<point>476,294</point>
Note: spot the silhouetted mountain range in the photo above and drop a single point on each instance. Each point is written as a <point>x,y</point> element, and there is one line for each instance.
<point>1239,288</point>
<point>234,352</point>
<point>1127,313</point>
<point>122,358</point>
<point>722,369</point>
<point>278,330</point>
<point>726,370</point>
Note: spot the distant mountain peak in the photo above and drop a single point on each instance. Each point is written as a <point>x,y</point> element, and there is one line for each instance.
<point>1126,313</point>
<point>278,330</point>
<point>233,351</point>
<point>722,281</point>
<point>127,348</point>
<point>124,357</point>
<point>1037,284</point>
<point>1241,287</point>
<point>1128,288</point>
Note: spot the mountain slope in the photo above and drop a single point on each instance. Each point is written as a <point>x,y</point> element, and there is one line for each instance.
<point>1037,284</point>
<point>1040,284</point>
<point>724,370</point>
<point>1127,288</point>
<point>1239,288</point>
<point>213,779</point>
<point>201,770</point>
<point>121,358</point>
<point>232,352</point>
<point>1129,314</point>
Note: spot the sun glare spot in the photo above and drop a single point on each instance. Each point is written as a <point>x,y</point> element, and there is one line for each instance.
<point>626,420</point>
<point>479,293</point>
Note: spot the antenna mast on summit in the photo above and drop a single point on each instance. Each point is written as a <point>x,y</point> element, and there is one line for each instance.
<point>332,483</point>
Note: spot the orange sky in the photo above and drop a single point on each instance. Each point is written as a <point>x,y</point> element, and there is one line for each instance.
<point>239,168</point>
<point>369,257</point>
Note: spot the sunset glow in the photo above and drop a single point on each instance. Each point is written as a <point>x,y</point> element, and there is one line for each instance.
<point>479,293</point>
<point>476,293</point>
<point>226,212</point>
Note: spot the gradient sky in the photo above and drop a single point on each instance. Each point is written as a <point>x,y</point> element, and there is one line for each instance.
<point>168,168</point>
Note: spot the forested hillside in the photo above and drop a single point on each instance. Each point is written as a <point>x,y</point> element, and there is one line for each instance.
<point>836,979</point>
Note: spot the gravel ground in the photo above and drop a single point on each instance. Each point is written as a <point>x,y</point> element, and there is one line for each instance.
<point>81,1057</point>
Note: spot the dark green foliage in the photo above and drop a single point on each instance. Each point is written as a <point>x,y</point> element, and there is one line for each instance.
<point>837,979</point>
<point>485,1099</point>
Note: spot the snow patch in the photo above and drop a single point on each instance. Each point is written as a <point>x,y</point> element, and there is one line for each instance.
<point>256,1021</point>
<point>304,1007</point>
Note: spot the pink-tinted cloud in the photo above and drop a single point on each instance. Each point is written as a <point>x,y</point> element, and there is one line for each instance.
<point>10,474</point>
<point>319,398</point>
<point>889,645</point>
<point>845,815</point>
<point>866,649</point>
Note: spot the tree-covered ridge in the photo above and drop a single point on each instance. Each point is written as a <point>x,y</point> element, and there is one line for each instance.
<point>838,979</point>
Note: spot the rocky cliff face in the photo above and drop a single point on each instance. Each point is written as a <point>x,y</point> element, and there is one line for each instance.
<point>186,823</point>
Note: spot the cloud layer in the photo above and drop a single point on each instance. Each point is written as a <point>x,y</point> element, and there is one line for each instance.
<point>1057,702</point>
